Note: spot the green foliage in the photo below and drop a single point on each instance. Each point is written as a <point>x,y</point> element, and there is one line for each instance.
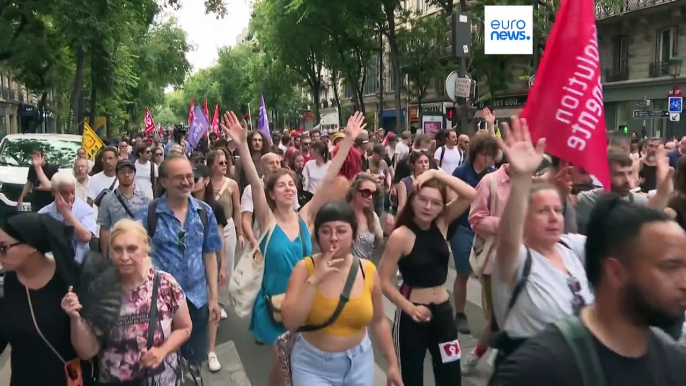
<point>421,47</point>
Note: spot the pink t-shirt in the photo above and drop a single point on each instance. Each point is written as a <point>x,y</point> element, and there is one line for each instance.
<point>122,344</point>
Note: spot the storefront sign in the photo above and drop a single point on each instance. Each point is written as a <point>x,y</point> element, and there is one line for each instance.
<point>432,124</point>
<point>504,102</point>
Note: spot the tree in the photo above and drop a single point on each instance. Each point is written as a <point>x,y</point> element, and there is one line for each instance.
<point>290,37</point>
<point>421,47</point>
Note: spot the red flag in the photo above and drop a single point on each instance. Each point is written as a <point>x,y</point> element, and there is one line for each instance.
<point>207,112</point>
<point>191,114</point>
<point>149,123</point>
<point>565,105</point>
<point>215,120</point>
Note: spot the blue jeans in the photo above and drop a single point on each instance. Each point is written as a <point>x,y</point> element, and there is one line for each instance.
<point>461,245</point>
<point>313,367</point>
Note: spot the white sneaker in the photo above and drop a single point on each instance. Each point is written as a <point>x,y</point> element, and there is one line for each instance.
<point>469,364</point>
<point>213,362</point>
<point>223,315</point>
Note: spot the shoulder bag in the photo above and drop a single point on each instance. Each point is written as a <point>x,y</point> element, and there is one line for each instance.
<point>482,247</point>
<point>246,280</point>
<point>72,369</point>
<point>221,191</point>
<point>284,344</point>
<point>580,343</point>
<point>184,374</point>
<point>274,301</point>
<point>104,193</point>
<point>123,204</point>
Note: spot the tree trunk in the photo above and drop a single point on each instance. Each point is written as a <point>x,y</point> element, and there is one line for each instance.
<point>381,78</point>
<point>337,98</point>
<point>94,90</point>
<point>78,87</point>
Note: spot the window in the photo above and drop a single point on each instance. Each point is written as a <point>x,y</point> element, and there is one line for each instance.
<point>18,152</point>
<point>621,54</point>
<point>421,6</point>
<point>371,84</point>
<point>667,44</point>
<point>348,91</point>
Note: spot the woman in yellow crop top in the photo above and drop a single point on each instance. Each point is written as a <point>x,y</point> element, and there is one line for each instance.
<point>340,353</point>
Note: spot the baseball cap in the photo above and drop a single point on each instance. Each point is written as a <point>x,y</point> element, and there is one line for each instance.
<point>201,171</point>
<point>123,163</point>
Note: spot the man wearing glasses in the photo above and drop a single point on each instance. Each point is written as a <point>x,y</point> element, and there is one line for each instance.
<point>185,241</point>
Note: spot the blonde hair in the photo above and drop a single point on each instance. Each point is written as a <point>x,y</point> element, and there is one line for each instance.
<point>126,225</point>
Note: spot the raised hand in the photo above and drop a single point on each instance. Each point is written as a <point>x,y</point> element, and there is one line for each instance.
<point>664,173</point>
<point>355,125</point>
<point>71,304</point>
<point>233,128</point>
<point>521,154</point>
<point>326,264</point>
<point>488,116</point>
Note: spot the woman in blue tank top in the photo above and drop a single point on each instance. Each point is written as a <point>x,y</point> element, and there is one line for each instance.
<point>287,237</point>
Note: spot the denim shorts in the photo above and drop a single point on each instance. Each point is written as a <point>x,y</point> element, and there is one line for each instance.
<point>195,348</point>
<point>313,367</point>
<point>461,245</point>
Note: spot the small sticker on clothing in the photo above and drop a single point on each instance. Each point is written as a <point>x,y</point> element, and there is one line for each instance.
<point>450,351</point>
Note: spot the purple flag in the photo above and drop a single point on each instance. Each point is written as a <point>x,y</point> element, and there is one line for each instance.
<point>198,127</point>
<point>263,120</point>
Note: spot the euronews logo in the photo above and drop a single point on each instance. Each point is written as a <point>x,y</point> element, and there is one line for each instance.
<point>508,30</point>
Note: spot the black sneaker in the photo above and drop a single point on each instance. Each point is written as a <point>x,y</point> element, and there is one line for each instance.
<point>461,323</point>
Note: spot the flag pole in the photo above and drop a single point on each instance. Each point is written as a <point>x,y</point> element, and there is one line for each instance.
<point>249,115</point>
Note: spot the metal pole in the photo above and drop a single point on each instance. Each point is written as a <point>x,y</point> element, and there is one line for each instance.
<point>535,39</point>
<point>464,118</point>
<point>249,117</point>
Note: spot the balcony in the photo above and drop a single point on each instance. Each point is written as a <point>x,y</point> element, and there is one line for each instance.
<point>617,75</point>
<point>659,69</point>
<point>602,12</point>
<point>4,93</point>
<point>12,95</point>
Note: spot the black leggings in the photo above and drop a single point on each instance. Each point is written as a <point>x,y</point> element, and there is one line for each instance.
<point>412,339</point>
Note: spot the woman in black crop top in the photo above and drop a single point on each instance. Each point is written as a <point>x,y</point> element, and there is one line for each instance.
<point>418,247</point>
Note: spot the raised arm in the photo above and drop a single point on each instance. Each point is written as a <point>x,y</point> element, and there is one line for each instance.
<point>325,191</point>
<point>465,193</point>
<point>239,134</point>
<point>524,159</point>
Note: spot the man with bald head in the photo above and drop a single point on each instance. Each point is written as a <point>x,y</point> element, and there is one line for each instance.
<point>271,163</point>
<point>675,155</point>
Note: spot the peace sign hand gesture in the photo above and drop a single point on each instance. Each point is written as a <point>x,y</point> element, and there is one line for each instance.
<point>355,125</point>
<point>233,128</point>
<point>523,157</point>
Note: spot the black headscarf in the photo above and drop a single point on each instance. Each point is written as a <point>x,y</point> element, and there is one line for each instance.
<point>95,281</point>
<point>47,235</point>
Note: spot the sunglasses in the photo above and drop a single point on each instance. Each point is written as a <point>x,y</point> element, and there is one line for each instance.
<point>578,301</point>
<point>221,163</point>
<point>148,152</point>
<point>4,248</point>
<point>366,193</point>
<point>181,238</point>
<point>158,154</point>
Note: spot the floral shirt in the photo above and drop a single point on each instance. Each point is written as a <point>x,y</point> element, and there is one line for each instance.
<point>122,344</point>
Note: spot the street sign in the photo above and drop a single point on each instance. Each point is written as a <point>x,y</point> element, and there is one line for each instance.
<point>675,104</point>
<point>457,87</point>
<point>675,117</point>
<point>651,114</point>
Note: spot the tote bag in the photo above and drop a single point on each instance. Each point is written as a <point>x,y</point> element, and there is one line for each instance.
<point>246,280</point>
<point>482,246</point>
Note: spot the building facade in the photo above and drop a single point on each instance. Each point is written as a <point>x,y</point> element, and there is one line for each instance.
<point>18,108</point>
<point>642,55</point>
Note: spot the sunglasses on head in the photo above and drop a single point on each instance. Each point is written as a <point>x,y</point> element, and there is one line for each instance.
<point>366,193</point>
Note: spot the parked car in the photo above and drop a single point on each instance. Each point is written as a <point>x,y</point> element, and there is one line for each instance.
<point>16,151</point>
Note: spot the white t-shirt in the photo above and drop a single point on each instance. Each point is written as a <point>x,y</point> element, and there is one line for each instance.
<point>452,159</point>
<point>142,179</point>
<point>401,150</point>
<point>313,175</point>
<point>248,206</point>
<point>547,296</point>
<point>100,182</point>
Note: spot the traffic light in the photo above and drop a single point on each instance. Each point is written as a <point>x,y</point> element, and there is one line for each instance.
<point>450,35</point>
<point>246,117</point>
<point>452,113</point>
<point>624,129</point>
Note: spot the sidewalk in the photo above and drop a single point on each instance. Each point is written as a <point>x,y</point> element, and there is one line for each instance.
<point>231,374</point>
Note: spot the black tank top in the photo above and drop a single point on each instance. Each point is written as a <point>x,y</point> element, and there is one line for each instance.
<point>426,265</point>
<point>649,175</point>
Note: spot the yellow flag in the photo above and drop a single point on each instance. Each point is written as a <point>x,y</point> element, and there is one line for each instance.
<point>497,132</point>
<point>90,141</point>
